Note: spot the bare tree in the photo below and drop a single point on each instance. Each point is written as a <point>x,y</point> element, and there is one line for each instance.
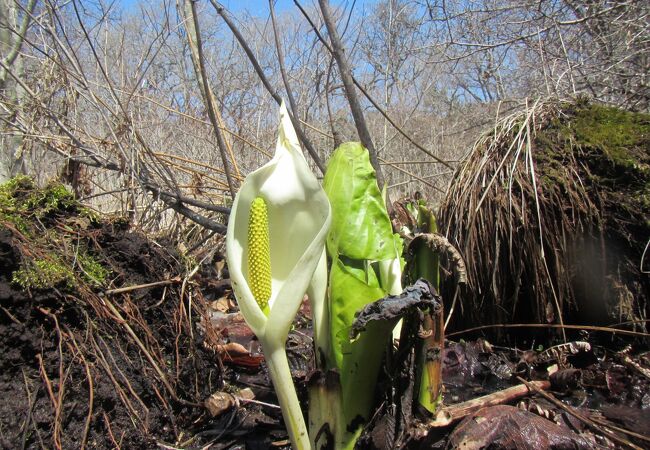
<point>115,102</point>
<point>14,21</point>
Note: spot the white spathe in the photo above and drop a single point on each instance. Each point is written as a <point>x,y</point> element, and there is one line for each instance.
<point>299,218</point>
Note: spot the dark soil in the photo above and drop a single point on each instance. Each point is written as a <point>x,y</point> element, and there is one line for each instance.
<point>56,346</point>
<point>85,365</point>
<point>71,374</point>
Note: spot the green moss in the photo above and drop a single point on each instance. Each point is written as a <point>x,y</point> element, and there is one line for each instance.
<point>20,183</point>
<point>611,143</point>
<point>54,231</point>
<point>93,272</point>
<point>53,197</point>
<point>20,197</point>
<point>90,214</point>
<point>10,201</point>
<point>623,136</point>
<point>55,271</point>
<point>43,274</point>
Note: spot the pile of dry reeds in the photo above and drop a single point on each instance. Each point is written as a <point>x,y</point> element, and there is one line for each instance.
<point>550,212</point>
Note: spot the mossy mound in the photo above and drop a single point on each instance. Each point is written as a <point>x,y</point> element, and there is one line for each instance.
<point>53,235</point>
<point>85,363</point>
<point>551,211</point>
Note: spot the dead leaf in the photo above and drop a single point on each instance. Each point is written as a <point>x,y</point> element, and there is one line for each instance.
<point>221,304</point>
<point>506,427</point>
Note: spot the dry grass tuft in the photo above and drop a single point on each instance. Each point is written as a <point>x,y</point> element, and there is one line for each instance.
<point>550,211</point>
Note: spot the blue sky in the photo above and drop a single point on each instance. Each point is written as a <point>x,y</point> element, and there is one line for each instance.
<point>260,7</point>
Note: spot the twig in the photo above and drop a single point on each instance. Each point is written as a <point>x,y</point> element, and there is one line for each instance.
<point>194,40</point>
<point>397,127</point>
<point>411,174</point>
<point>58,403</point>
<point>627,360</point>
<point>171,199</point>
<point>350,92</point>
<point>453,413</point>
<point>163,378</point>
<point>283,72</point>
<point>11,316</point>
<point>267,85</point>
<point>550,325</point>
<point>368,96</point>
<point>48,385</point>
<point>101,359</point>
<point>174,280</point>
<point>91,391</point>
<point>31,403</point>
<point>110,432</point>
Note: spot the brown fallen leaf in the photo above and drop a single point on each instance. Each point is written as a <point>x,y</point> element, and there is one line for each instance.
<point>632,418</point>
<point>221,304</point>
<point>506,427</point>
<point>236,354</point>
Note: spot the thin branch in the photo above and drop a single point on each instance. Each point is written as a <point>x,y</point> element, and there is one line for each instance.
<point>369,97</point>
<point>597,427</point>
<point>283,72</point>
<point>552,325</point>
<point>260,73</point>
<point>198,58</point>
<point>453,413</point>
<point>173,200</point>
<point>350,92</point>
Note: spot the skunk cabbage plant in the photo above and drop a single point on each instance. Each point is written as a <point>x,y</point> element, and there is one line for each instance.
<point>366,265</point>
<point>275,250</point>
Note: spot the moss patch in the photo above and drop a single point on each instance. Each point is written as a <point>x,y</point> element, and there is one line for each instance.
<point>54,233</point>
<point>609,147</point>
<point>43,274</point>
<point>622,136</point>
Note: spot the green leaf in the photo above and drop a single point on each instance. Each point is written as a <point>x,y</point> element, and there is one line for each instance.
<point>361,228</point>
<point>358,360</point>
<point>365,257</point>
<point>348,294</point>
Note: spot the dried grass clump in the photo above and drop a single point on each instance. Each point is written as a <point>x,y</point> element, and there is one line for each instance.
<point>550,211</point>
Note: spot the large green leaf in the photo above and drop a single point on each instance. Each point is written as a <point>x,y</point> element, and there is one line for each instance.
<point>361,228</point>
<point>348,294</point>
<point>358,360</point>
<point>365,257</point>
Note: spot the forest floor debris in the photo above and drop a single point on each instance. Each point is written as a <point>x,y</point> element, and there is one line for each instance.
<point>109,343</point>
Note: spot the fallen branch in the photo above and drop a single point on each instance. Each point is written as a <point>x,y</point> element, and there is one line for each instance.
<point>453,413</point>
<point>551,325</point>
<point>625,358</point>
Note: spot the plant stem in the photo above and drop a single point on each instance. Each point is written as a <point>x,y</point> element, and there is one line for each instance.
<point>276,359</point>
